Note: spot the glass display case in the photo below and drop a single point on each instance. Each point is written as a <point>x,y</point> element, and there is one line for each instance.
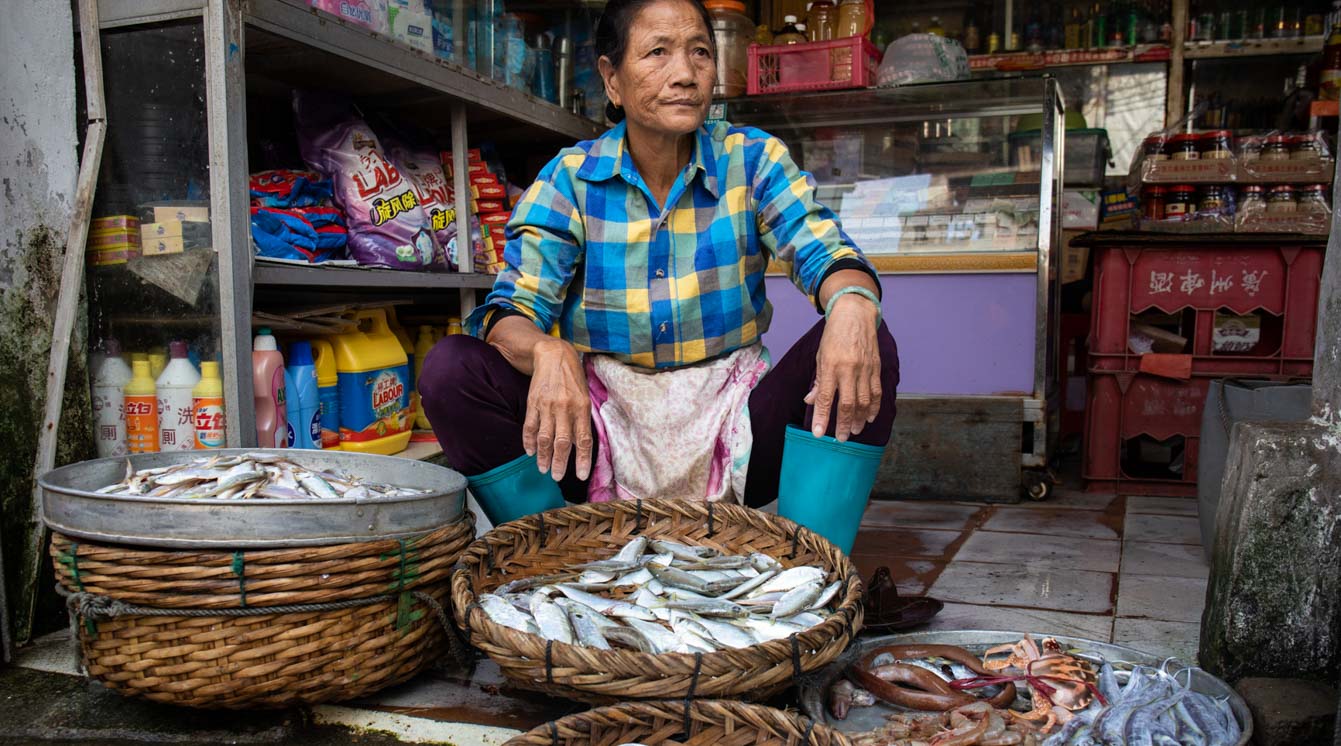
<point>952,190</point>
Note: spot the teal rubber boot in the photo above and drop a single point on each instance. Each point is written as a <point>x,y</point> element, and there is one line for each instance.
<point>515,490</point>
<point>825,484</point>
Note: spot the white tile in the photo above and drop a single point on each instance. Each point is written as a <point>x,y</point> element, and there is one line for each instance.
<point>1176,560</point>
<point>1159,638</point>
<point>1162,505</point>
<point>1162,528</point>
<point>1022,585</point>
<point>1084,524</point>
<point>1034,621</point>
<point>1036,550</point>
<point>1163,598</point>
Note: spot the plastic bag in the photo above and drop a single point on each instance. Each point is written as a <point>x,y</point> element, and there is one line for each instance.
<point>923,58</point>
<point>387,225</point>
<point>423,170</point>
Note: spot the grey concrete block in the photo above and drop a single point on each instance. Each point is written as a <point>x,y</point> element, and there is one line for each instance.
<point>1289,712</point>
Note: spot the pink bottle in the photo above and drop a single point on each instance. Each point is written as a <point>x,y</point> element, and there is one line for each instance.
<point>268,382</point>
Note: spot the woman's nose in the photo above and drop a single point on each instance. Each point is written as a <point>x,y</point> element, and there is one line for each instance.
<point>682,70</point>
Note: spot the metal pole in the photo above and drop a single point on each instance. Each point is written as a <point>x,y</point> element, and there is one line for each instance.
<point>67,301</point>
<point>465,247</point>
<point>226,113</point>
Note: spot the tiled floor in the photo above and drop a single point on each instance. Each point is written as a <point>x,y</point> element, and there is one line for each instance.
<point>1128,570</point>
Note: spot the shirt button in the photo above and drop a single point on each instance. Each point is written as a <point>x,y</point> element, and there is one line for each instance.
<point>661,273</point>
<point>663,327</point>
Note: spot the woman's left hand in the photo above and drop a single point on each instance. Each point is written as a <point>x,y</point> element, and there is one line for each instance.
<point>847,368</point>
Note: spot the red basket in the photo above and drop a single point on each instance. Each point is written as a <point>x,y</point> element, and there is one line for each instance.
<point>851,62</point>
<point>1125,406</point>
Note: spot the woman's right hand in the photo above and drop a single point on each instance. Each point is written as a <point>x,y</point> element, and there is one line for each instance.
<point>558,409</point>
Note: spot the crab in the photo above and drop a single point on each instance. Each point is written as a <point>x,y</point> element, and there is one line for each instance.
<point>1059,683</point>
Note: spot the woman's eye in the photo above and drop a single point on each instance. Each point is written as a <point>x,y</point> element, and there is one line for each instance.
<point>658,52</point>
<point>703,52</point>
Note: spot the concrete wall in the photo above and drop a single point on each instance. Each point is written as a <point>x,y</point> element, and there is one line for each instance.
<point>39,164</point>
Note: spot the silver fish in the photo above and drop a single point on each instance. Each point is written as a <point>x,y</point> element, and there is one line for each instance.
<point>501,611</point>
<point>681,551</point>
<point>608,606</point>
<point>826,595</point>
<point>797,599</point>
<point>585,629</point>
<point>552,621</point>
<point>628,637</point>
<point>789,579</point>
<point>662,639</point>
<point>678,578</point>
<point>727,634</point>
<point>763,577</point>
<point>317,486</point>
<point>711,607</point>
<point>768,630</point>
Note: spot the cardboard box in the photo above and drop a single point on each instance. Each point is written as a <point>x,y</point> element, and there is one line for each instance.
<point>1305,171</point>
<point>191,212</point>
<point>486,206</point>
<point>1080,209</point>
<point>491,192</point>
<point>1075,259</point>
<point>498,219</point>
<point>111,239</point>
<point>1201,171</point>
<point>161,246</point>
<point>411,27</point>
<point>112,223</point>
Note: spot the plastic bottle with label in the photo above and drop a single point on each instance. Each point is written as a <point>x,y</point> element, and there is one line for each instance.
<point>140,399</point>
<point>328,393</point>
<point>304,397</point>
<point>109,382</point>
<point>374,377</point>
<point>290,412</point>
<point>207,406</point>
<point>176,417</point>
<point>407,345</point>
<point>268,380</point>
<point>422,345</point>
<point>788,34</point>
<point>158,360</point>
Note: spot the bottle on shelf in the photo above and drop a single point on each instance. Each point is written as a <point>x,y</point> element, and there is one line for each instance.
<point>993,43</point>
<point>853,19</point>
<point>934,27</point>
<point>304,398</point>
<point>207,407</point>
<point>140,399</point>
<point>972,39</point>
<point>328,393</point>
<point>268,379</point>
<point>176,415</point>
<point>423,344</point>
<point>733,31</point>
<point>1100,38</point>
<point>374,372</point>
<point>788,34</point>
<point>763,35</point>
<point>821,19</point>
<point>1329,79</point>
<point>110,377</point>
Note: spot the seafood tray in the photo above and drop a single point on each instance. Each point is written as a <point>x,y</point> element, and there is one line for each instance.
<point>814,693</point>
<point>707,722</point>
<point>72,504</point>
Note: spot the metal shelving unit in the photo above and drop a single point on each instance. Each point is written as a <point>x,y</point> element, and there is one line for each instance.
<point>321,276</point>
<point>1214,50</point>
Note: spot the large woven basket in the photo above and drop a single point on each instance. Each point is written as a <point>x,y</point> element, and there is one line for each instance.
<point>260,628</point>
<point>697,723</point>
<point>548,542</point>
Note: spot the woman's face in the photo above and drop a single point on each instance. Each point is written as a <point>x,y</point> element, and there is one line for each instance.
<point>665,81</point>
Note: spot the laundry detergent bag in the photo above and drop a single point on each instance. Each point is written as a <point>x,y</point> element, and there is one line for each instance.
<point>422,169</point>
<point>388,227</point>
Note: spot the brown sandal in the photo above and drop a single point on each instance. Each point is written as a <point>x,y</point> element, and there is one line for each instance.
<point>887,611</point>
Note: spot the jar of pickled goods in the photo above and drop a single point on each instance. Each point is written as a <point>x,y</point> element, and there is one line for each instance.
<point>820,20</point>
<point>1276,148</point>
<point>1253,198</point>
<point>854,19</point>
<point>1184,147</point>
<point>1281,199</point>
<point>1250,149</point>
<point>733,31</point>
<point>1155,148</point>
<point>1182,201</point>
<point>1216,144</point>
<point>1303,148</point>
<point>1314,197</point>
<point>1212,199</point>
<point>1153,200</point>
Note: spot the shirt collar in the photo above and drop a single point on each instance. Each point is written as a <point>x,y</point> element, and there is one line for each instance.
<point>608,157</point>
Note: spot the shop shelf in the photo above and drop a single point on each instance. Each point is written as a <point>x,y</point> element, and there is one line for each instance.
<point>318,275</point>
<point>1195,279</point>
<point>1209,50</point>
<point>1019,61</point>
<point>1142,433</point>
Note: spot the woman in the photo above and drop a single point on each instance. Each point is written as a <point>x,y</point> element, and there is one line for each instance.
<point>646,250</point>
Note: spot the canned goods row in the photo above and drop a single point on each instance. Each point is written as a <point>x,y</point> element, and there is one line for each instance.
<point>1220,144</point>
<point>1180,201</point>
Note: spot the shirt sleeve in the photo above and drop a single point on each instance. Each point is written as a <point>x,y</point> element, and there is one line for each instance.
<point>799,232</point>
<point>545,237</point>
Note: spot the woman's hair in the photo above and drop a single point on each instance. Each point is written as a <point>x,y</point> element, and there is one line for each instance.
<point>612,35</point>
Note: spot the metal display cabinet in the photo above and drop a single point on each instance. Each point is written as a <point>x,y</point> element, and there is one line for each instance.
<point>189,84</point>
<point>962,231</point>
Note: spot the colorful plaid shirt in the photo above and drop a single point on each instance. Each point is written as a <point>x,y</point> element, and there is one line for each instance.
<point>589,249</point>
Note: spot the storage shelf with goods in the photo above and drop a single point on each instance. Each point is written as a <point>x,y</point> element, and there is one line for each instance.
<point>1022,61</point>
<point>353,277</point>
<point>1206,50</point>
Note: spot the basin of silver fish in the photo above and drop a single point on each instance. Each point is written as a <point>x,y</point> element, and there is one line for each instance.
<point>814,694</point>
<point>384,497</point>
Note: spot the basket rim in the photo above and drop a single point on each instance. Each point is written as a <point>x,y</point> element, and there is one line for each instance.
<point>798,647</point>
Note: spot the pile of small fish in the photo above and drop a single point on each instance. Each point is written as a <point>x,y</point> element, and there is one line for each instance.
<point>248,476</point>
<point>976,724</point>
<point>663,597</point>
<point>1151,708</point>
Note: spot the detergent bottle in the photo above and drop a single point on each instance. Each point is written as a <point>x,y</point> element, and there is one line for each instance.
<point>207,404</point>
<point>268,379</point>
<point>158,360</point>
<point>408,346</point>
<point>141,405</point>
<point>328,393</point>
<point>304,398</point>
<point>374,386</point>
<point>422,345</point>
<point>109,383</point>
<point>176,417</point>
<point>290,412</point>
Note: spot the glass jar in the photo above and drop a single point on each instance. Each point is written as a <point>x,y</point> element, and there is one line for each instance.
<point>821,19</point>
<point>1250,149</point>
<point>788,34</point>
<point>1281,199</point>
<point>1314,198</point>
<point>1277,148</point>
<point>1181,201</point>
<point>1184,147</point>
<point>1216,144</point>
<point>853,19</point>
<point>1153,201</point>
<point>1212,199</point>
<point>1253,199</point>
<point>1155,148</point>
<point>1303,148</point>
<point>733,31</point>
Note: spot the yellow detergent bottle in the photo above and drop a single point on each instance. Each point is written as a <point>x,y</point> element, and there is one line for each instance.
<point>141,403</point>
<point>328,392</point>
<point>374,375</point>
<point>422,345</point>
<point>407,345</point>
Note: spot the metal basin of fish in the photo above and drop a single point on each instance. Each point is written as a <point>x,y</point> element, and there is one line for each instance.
<point>814,694</point>
<point>72,505</point>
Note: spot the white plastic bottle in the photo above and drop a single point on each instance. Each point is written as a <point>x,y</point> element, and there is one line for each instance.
<point>109,378</point>
<point>176,410</point>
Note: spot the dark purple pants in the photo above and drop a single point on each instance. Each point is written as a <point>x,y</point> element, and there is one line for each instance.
<point>477,404</point>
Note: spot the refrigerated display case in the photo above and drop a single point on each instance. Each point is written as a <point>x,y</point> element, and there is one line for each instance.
<point>962,230</point>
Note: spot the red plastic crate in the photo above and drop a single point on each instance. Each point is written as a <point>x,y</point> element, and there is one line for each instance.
<point>851,62</point>
<point>1123,406</point>
<point>1280,281</point>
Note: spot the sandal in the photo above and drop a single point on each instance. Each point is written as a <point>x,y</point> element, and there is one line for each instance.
<point>887,611</point>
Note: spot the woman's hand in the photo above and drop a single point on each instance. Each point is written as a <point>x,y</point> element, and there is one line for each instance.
<point>848,368</point>
<point>558,409</point>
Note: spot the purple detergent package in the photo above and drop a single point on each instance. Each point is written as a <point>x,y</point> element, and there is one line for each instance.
<point>422,170</point>
<point>388,227</point>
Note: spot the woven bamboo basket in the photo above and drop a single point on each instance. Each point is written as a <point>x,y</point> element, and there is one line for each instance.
<point>260,628</point>
<point>548,542</point>
<point>696,723</point>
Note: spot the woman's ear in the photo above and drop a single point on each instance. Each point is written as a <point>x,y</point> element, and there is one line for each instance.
<point>607,70</point>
